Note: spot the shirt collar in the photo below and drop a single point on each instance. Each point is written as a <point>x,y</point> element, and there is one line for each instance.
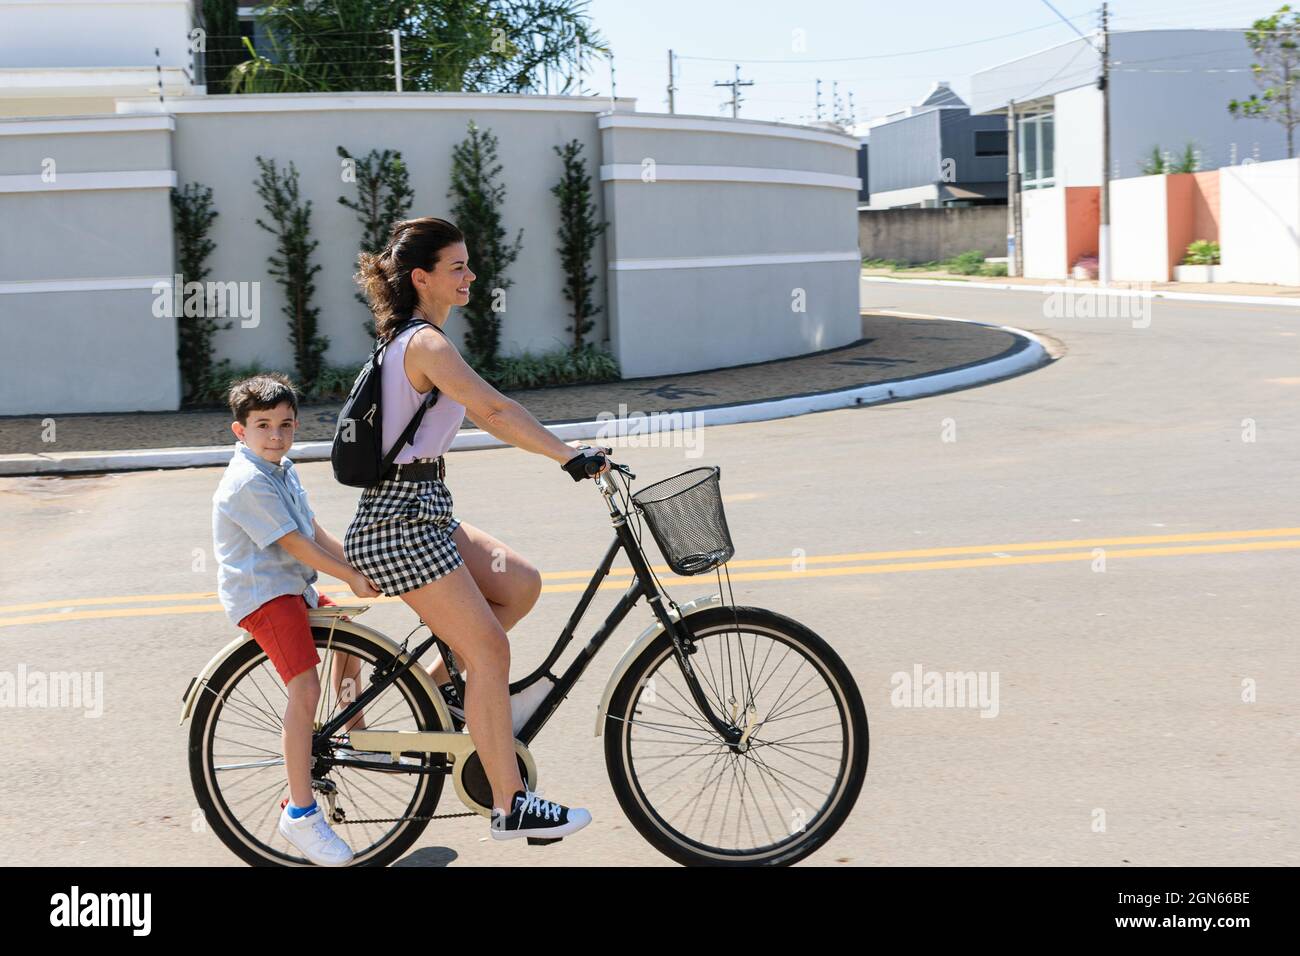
<point>261,464</point>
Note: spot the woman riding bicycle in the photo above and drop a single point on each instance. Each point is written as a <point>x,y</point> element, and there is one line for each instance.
<point>404,537</point>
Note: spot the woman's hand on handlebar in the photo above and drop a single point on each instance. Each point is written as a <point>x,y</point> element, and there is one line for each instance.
<point>588,463</point>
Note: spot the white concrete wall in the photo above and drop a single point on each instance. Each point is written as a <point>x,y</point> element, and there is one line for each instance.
<point>1139,229</point>
<point>742,247</point>
<point>1042,213</point>
<point>1078,137</point>
<point>84,33</point>
<point>1259,222</point>
<point>77,327</point>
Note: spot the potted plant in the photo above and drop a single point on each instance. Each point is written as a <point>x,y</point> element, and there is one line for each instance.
<point>1200,264</point>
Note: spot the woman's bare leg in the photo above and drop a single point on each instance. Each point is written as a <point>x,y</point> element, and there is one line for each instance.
<point>508,582</point>
<point>459,614</point>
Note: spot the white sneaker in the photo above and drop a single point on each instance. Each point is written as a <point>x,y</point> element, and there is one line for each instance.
<point>315,838</point>
<point>522,704</point>
<point>369,756</point>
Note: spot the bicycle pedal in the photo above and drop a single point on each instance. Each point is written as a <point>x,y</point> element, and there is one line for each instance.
<point>543,841</point>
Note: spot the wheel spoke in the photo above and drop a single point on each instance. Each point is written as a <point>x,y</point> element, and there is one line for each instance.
<point>695,787</point>
<point>246,766</point>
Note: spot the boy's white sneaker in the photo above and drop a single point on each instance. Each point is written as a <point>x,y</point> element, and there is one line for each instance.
<point>315,838</point>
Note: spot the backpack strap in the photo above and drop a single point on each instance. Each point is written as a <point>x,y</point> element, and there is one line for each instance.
<point>414,424</point>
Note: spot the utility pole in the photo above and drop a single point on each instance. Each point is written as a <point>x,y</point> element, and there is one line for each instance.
<point>735,85</point>
<point>1103,230</point>
<point>1015,242</point>
<point>671,89</point>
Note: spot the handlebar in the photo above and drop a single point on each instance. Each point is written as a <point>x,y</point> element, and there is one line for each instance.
<point>602,480</point>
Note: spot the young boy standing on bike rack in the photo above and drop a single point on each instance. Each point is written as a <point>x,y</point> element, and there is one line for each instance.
<point>269,548</point>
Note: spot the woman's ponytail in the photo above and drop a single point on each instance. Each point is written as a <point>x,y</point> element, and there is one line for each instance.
<point>385,278</point>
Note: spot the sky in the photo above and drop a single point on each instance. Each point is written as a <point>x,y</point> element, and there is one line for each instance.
<point>879,44</point>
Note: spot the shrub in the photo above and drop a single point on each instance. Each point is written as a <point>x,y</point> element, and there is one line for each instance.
<point>579,230</point>
<point>563,366</point>
<point>478,209</point>
<point>292,265</point>
<point>193,216</point>
<point>333,382</point>
<point>566,366</point>
<point>384,197</point>
<point>1202,252</point>
<point>969,263</point>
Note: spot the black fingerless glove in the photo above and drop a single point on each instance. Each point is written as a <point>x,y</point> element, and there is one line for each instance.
<point>588,458</point>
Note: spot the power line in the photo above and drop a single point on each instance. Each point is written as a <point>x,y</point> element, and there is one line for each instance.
<point>1047,3</point>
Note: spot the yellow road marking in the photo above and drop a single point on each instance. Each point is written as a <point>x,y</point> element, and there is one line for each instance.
<point>750,563</point>
<point>1221,548</point>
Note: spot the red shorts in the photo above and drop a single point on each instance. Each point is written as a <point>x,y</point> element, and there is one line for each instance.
<point>281,628</point>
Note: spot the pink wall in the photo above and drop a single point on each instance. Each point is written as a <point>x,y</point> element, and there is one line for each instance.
<point>1082,218</point>
<point>1181,200</point>
<point>1193,211</point>
<point>1206,225</point>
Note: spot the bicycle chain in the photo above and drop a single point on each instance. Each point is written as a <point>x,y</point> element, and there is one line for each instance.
<point>436,816</point>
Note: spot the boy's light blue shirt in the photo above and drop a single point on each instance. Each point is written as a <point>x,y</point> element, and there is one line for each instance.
<point>255,505</point>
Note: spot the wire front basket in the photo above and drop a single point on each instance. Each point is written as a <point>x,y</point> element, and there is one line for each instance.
<point>685,516</point>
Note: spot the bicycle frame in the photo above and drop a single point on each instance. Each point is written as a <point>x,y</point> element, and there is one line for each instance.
<point>643,585</point>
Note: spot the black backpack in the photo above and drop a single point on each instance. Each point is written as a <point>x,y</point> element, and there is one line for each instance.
<point>357,454</point>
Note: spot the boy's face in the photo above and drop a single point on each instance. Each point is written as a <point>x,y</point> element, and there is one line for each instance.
<point>269,432</point>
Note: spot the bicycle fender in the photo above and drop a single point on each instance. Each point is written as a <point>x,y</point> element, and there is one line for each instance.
<point>318,618</point>
<point>639,644</point>
<point>200,680</point>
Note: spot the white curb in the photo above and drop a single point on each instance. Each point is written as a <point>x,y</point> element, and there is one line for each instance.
<point>1082,289</point>
<point>1030,356</point>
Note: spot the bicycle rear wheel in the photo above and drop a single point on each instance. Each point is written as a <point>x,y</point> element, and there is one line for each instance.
<point>696,799</point>
<point>237,763</point>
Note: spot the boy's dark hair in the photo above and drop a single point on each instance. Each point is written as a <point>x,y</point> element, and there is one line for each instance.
<point>261,392</point>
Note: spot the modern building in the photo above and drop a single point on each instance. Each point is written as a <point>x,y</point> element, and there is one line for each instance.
<point>936,154</point>
<point>1169,89</point>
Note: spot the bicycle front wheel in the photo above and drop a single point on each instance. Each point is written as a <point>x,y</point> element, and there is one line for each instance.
<point>702,802</point>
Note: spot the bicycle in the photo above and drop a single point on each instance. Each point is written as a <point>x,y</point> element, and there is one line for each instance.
<point>670,708</point>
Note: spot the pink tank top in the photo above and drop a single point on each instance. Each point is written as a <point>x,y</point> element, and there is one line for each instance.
<point>438,428</point>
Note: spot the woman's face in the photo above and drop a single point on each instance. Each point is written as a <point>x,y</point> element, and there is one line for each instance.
<point>447,284</point>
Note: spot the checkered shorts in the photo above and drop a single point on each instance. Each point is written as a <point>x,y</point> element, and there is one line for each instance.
<point>400,537</point>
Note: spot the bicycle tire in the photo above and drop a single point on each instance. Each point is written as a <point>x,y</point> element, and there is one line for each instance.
<point>234,835</point>
<point>621,719</point>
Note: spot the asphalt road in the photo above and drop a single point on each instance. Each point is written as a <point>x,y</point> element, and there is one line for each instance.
<point>1128,538</point>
